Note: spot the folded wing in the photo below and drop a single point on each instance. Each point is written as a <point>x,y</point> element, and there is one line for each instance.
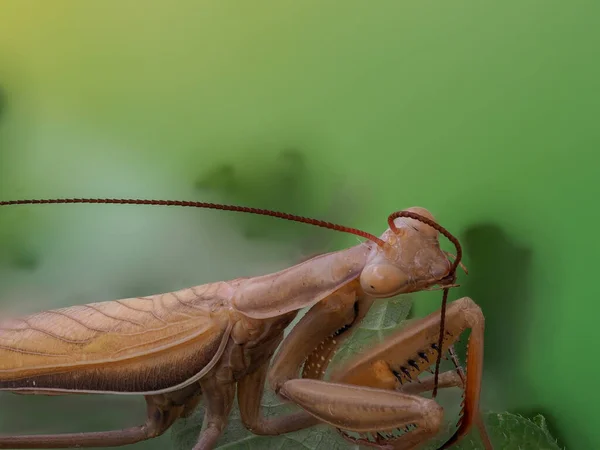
<point>142,344</point>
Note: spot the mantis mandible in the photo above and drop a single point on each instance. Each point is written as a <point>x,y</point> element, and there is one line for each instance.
<point>209,340</point>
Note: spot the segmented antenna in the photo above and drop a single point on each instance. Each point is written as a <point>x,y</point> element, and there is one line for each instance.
<point>243,209</point>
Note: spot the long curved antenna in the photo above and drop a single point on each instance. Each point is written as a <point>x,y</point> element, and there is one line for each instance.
<point>191,204</point>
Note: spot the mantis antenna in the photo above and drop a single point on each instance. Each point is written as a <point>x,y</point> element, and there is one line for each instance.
<point>292,217</point>
<point>243,209</point>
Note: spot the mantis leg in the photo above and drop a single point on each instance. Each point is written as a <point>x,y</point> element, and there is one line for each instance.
<point>160,418</point>
<point>369,411</point>
<point>366,395</point>
<point>250,392</point>
<point>485,438</point>
<point>338,312</point>
<point>219,392</point>
<point>451,378</point>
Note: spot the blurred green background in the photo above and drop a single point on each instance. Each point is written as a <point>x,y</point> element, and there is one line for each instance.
<point>485,113</point>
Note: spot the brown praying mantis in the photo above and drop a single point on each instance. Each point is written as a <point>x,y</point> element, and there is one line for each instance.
<point>209,340</point>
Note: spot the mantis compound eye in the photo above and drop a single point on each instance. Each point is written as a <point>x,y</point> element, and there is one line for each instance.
<point>382,279</point>
<point>440,269</point>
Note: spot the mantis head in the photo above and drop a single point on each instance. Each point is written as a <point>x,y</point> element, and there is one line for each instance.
<point>410,258</point>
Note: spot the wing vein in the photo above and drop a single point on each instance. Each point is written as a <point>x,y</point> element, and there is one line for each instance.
<point>53,335</point>
<point>85,325</point>
<point>120,302</point>
<point>120,319</point>
<point>28,352</point>
<point>186,304</point>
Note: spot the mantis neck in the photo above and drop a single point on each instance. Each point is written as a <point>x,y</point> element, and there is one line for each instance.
<point>301,285</point>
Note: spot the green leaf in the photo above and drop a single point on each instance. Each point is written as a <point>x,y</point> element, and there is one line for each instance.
<point>507,431</point>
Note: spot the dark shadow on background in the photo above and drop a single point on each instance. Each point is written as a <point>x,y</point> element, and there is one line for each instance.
<point>2,103</point>
<point>283,183</point>
<point>25,259</point>
<point>499,281</point>
<point>13,255</point>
